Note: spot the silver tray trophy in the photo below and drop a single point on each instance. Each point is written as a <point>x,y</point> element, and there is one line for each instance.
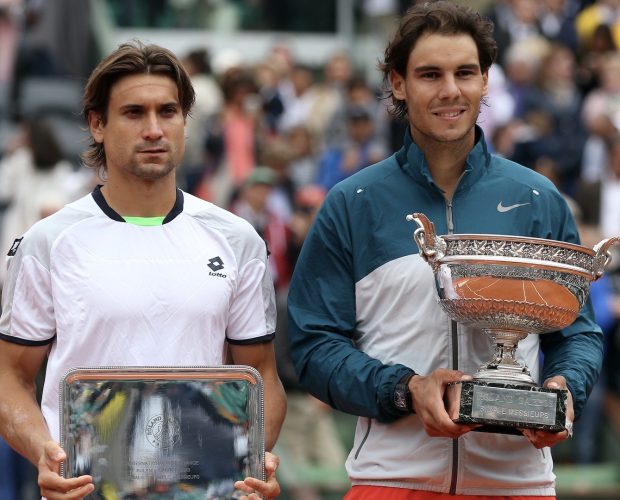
<point>508,287</point>
<point>163,433</point>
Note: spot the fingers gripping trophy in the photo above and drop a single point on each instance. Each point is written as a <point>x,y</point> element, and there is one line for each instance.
<point>509,287</point>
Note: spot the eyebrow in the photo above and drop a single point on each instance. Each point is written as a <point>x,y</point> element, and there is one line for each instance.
<point>140,106</point>
<point>429,67</point>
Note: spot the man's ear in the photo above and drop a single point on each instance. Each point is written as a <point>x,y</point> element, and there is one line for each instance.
<point>397,82</point>
<point>485,83</point>
<point>96,126</point>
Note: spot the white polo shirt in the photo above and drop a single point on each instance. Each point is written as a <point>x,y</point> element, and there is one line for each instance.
<point>107,293</point>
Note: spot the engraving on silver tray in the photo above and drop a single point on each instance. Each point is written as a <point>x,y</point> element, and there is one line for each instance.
<point>500,403</point>
<point>162,431</point>
<point>542,252</point>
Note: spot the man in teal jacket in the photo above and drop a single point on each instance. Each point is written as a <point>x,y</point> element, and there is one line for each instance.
<point>362,307</point>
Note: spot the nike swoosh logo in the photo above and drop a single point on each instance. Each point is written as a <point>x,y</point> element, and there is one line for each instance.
<point>502,208</point>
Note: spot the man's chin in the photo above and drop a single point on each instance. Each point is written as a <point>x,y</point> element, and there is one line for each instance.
<point>153,171</point>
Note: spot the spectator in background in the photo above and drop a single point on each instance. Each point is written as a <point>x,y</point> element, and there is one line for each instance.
<point>302,169</point>
<point>357,93</point>
<point>296,97</point>
<point>232,138</point>
<point>601,115</point>
<point>499,105</point>
<point>599,200</point>
<point>592,16</point>
<point>11,12</point>
<point>267,79</point>
<point>515,20</point>
<point>277,154</point>
<point>591,55</point>
<point>553,108</point>
<point>557,22</point>
<point>252,204</point>
<point>521,67</point>
<point>308,200</point>
<point>329,96</point>
<point>360,149</point>
<point>35,181</point>
<point>209,102</point>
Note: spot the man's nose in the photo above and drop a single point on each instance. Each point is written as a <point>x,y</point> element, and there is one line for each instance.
<point>152,127</point>
<point>449,88</point>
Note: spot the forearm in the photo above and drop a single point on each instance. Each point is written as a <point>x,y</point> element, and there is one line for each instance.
<point>262,357</point>
<point>577,355</point>
<point>336,372</point>
<point>275,410</point>
<point>21,422</point>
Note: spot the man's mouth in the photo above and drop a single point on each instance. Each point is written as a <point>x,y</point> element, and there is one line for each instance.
<point>449,114</point>
<point>152,151</point>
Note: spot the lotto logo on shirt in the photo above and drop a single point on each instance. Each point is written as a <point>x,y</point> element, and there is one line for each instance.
<point>14,247</point>
<point>216,264</point>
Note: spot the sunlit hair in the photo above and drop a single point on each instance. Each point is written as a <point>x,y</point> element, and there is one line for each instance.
<point>130,59</point>
<point>445,18</point>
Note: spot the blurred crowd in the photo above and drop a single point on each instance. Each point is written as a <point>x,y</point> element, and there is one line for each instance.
<point>269,140</point>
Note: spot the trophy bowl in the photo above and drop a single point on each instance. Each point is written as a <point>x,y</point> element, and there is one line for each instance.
<point>510,287</point>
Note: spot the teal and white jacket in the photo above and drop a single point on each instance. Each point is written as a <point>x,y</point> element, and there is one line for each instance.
<point>363,313</point>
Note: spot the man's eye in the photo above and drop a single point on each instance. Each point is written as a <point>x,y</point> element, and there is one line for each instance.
<point>169,111</point>
<point>430,76</point>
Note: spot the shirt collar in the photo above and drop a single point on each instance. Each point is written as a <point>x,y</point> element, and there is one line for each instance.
<point>97,195</point>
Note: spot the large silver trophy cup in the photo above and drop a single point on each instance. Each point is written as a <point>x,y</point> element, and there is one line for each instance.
<point>509,287</point>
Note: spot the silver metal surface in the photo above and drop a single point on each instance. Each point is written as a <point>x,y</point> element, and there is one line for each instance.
<point>509,287</point>
<point>163,432</point>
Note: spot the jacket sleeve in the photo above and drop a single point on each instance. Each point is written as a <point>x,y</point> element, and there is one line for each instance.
<point>322,319</point>
<point>576,352</point>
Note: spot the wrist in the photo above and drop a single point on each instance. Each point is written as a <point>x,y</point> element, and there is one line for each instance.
<point>401,397</point>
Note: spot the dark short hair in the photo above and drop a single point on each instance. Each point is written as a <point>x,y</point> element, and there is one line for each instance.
<point>130,59</point>
<point>441,17</point>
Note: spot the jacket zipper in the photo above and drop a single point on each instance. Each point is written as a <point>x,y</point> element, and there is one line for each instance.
<point>455,365</point>
<point>449,217</point>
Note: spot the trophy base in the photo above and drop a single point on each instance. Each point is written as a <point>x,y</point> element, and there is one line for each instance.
<point>505,408</point>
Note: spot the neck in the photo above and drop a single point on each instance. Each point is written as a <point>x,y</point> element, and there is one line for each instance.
<point>145,199</point>
<point>446,161</point>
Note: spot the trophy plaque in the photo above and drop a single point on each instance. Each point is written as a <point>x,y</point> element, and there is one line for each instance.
<point>163,433</point>
<point>508,287</point>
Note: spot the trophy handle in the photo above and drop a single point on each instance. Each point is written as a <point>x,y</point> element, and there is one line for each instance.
<point>603,256</point>
<point>432,247</point>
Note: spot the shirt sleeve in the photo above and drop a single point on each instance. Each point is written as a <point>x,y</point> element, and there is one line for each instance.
<point>27,302</point>
<point>321,317</point>
<point>252,313</point>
